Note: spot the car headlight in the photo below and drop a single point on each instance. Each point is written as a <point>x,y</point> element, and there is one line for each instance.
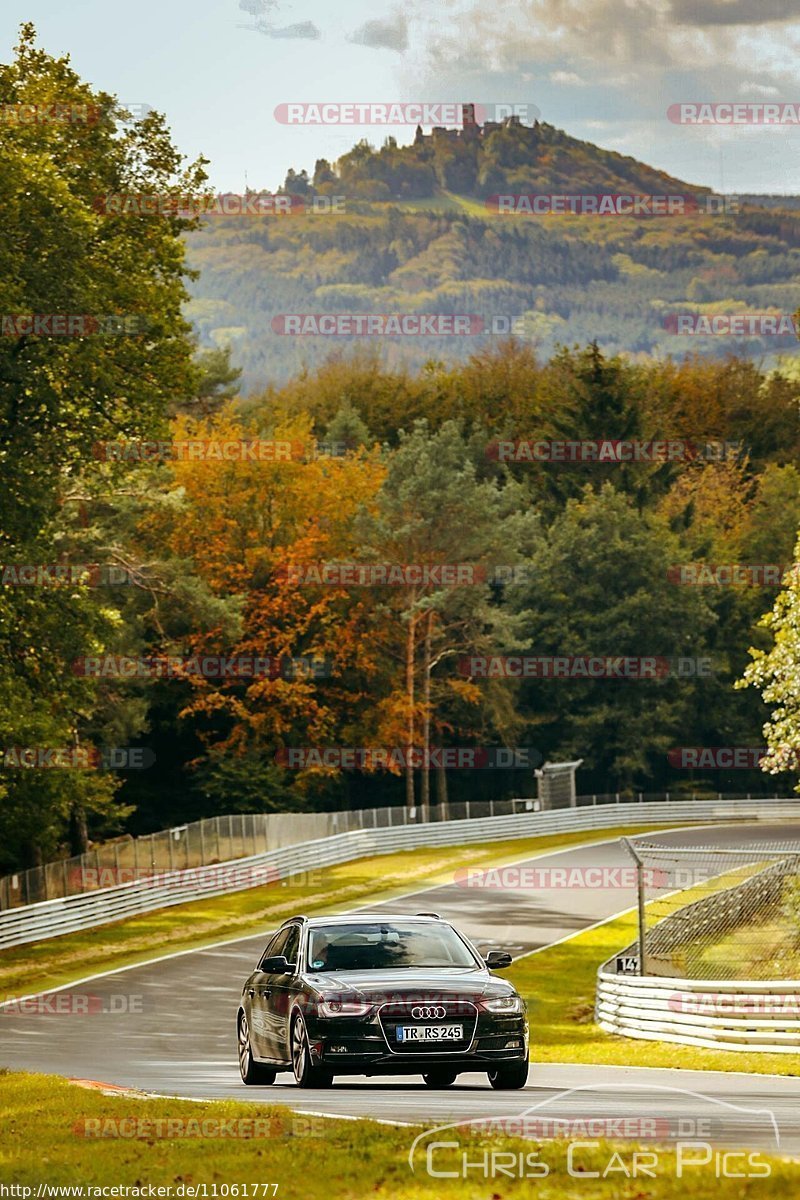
<point>503,1004</point>
<point>337,1006</point>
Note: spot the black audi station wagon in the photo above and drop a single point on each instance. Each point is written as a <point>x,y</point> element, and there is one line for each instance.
<point>376,995</point>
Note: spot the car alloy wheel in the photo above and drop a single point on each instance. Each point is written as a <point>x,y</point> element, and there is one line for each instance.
<point>251,1071</point>
<point>305,1073</point>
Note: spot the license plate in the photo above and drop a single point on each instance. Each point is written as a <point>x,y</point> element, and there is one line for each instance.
<point>430,1033</point>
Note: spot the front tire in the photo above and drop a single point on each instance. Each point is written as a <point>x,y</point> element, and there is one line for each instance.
<point>440,1079</point>
<point>305,1073</point>
<point>251,1071</point>
<point>507,1077</point>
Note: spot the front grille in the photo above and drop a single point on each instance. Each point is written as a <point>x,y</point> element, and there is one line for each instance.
<point>456,1012</point>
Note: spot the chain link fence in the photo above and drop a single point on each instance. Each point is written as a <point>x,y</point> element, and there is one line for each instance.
<point>223,839</point>
<point>215,840</point>
<point>716,912</point>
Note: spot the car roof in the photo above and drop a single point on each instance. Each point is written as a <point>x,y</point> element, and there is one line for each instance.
<point>367,919</point>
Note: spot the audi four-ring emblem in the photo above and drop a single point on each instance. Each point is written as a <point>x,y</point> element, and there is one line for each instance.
<point>429,1012</point>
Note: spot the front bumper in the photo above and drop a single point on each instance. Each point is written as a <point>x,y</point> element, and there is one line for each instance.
<point>365,1046</point>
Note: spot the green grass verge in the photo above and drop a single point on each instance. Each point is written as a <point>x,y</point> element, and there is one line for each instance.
<point>559,985</point>
<point>42,1120</point>
<point>56,961</point>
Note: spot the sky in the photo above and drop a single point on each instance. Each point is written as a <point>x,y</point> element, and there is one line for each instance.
<point>603,70</point>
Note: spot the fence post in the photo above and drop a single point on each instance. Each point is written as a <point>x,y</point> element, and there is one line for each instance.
<point>468,810</point>
<point>202,843</point>
<point>64,877</point>
<point>640,902</point>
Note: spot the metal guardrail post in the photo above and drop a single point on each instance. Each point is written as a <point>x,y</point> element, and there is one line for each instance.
<point>640,902</point>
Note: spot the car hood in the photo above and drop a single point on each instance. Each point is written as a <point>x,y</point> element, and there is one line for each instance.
<point>410,984</point>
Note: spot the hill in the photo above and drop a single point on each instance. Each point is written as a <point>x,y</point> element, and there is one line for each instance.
<point>417,232</point>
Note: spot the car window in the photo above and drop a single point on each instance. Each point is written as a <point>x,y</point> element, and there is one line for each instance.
<point>276,945</point>
<point>292,946</point>
<point>376,947</point>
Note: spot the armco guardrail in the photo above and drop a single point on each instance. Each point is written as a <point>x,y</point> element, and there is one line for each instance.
<point>223,839</point>
<point>724,1015</point>
<point>51,918</point>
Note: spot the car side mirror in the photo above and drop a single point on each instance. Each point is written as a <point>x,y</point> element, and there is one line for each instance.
<point>276,965</point>
<point>496,960</point>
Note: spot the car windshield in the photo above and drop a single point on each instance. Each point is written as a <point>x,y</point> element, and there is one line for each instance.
<point>375,947</point>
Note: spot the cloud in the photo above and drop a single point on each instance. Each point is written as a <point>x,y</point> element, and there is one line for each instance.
<point>303,29</point>
<point>749,88</point>
<point>732,12</point>
<point>391,34</point>
<point>569,78</point>
<point>257,8</point>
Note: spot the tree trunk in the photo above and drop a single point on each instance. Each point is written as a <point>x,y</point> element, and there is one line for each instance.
<point>425,779</point>
<point>78,830</point>
<point>410,656</point>
<point>441,789</point>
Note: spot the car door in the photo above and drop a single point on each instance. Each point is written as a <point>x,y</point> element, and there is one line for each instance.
<point>282,990</point>
<point>259,993</point>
